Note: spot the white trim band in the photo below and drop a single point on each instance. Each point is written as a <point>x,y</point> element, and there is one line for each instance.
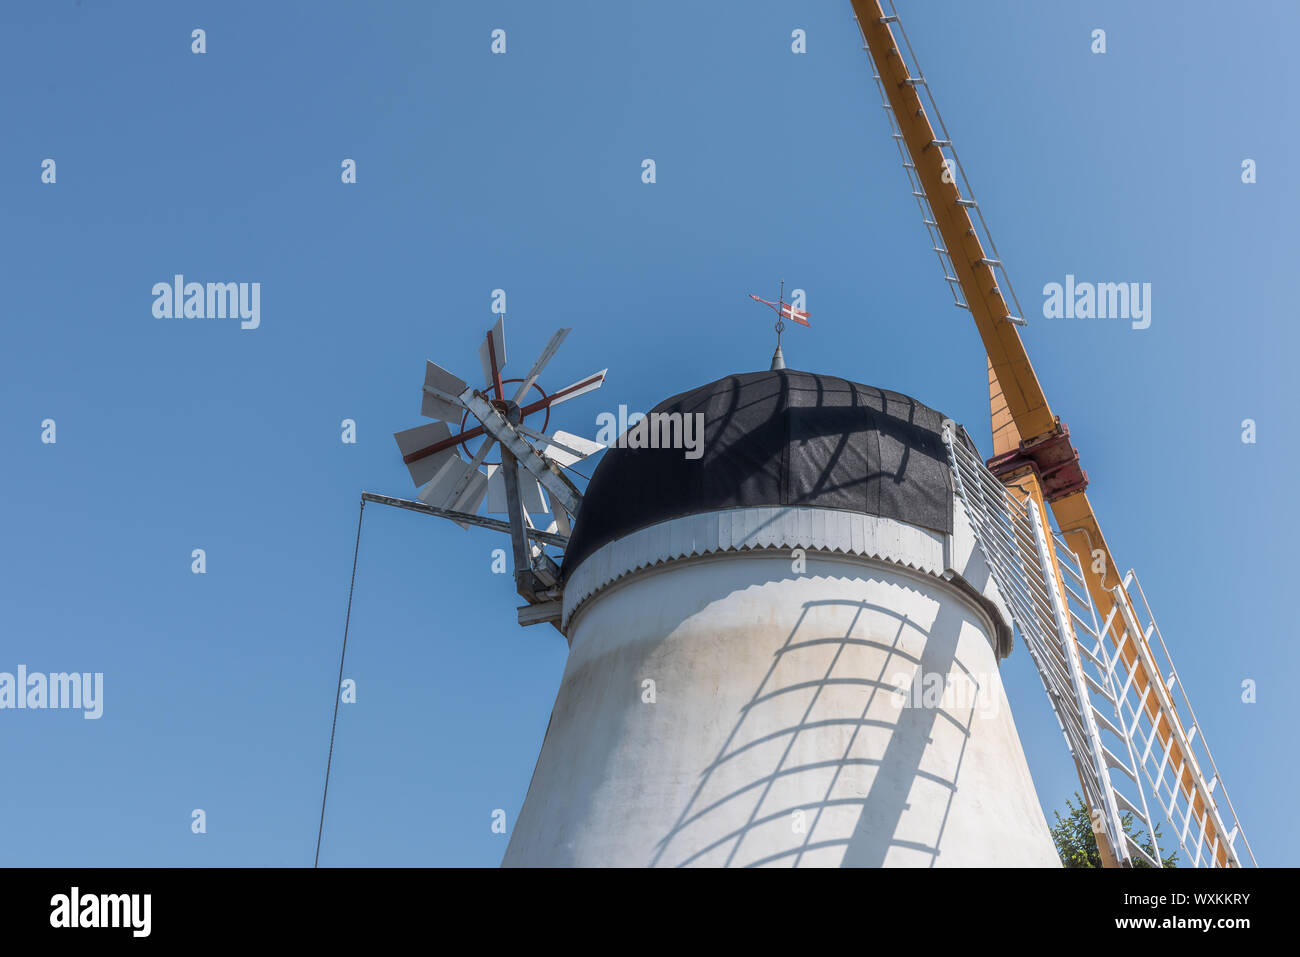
<point>790,527</point>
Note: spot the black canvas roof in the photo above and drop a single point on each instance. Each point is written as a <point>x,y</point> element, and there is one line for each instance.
<point>777,438</point>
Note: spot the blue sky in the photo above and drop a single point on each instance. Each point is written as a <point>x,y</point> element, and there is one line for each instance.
<point>523,172</point>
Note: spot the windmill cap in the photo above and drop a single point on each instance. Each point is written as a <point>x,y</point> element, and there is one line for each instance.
<point>780,437</point>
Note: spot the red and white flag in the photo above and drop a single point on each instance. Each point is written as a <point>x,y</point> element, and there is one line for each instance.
<point>785,310</point>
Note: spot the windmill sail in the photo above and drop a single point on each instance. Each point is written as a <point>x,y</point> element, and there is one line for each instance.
<point>1113,722</point>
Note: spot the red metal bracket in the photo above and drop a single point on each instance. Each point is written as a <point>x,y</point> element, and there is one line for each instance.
<point>1054,460</point>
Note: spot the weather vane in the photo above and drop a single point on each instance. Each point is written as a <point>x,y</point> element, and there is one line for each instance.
<point>784,310</point>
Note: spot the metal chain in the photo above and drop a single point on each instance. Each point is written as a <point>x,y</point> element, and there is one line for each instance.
<point>338,691</point>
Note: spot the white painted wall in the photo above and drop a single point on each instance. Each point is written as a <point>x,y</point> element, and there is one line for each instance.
<point>775,710</point>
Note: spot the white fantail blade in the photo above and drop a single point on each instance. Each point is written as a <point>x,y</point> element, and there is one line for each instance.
<point>444,480</point>
<point>581,387</point>
<point>467,493</point>
<point>497,337</point>
<point>563,448</point>
<point>540,364</point>
<point>531,495</point>
<point>455,473</point>
<point>568,449</point>
<point>530,492</point>
<point>472,497</point>
<point>534,546</point>
<point>421,437</point>
<point>440,391</point>
<point>439,487</point>
<point>561,521</point>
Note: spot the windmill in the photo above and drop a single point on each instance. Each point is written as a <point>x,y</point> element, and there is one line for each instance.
<point>455,481</point>
<point>679,568</point>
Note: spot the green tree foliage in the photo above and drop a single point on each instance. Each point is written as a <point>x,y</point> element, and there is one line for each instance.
<point>1077,844</point>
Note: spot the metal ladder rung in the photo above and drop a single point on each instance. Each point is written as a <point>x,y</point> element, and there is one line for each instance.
<point>1151,738</point>
<point>1100,665</point>
<point>1105,722</point>
<point>1118,765</point>
<point>1170,809</point>
<point>1084,630</point>
<point>1126,804</point>
<point>1200,847</point>
<point>1096,650</point>
<point>1097,688</point>
<point>1187,819</point>
<point>1164,763</point>
<point>1105,629</point>
<point>1140,850</point>
<point>1128,683</point>
<point>1077,576</point>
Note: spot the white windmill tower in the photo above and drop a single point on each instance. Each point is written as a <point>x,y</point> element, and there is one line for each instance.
<point>753,633</point>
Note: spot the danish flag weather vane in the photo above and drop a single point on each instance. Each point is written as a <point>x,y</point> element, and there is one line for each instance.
<point>783,310</point>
